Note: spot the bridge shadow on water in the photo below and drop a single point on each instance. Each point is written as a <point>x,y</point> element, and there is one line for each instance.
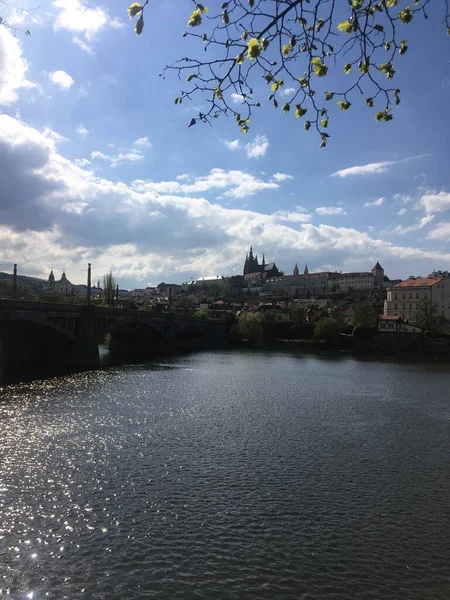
<point>15,372</point>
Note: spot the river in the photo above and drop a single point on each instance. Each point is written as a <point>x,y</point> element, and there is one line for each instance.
<point>229,474</point>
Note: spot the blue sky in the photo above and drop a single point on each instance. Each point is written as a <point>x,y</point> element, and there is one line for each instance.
<point>98,165</point>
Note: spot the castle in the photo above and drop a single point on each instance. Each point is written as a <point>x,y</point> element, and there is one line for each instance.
<point>266,277</point>
<point>256,274</point>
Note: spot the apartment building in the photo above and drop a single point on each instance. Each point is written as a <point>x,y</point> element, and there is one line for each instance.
<point>403,300</point>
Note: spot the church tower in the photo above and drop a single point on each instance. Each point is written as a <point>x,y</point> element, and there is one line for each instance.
<point>378,273</point>
<point>51,279</point>
<point>306,272</point>
<point>296,271</point>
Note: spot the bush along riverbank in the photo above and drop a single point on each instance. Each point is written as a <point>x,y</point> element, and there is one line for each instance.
<point>266,330</point>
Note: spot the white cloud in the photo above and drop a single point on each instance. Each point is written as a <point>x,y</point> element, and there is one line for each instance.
<point>403,198</point>
<point>236,184</point>
<point>76,16</point>
<point>373,168</point>
<point>237,98</point>
<point>293,217</point>
<point>436,202</point>
<point>402,212</point>
<point>442,232</point>
<point>371,203</point>
<point>330,210</point>
<point>81,130</point>
<point>287,92</point>
<point>13,68</point>
<point>142,142</point>
<point>82,44</point>
<point>120,158</point>
<point>61,78</point>
<point>279,177</point>
<point>53,135</point>
<point>143,232</point>
<point>420,224</point>
<point>258,147</point>
<point>232,144</point>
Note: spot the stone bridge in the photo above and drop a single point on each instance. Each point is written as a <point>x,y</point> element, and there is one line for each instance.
<point>48,333</point>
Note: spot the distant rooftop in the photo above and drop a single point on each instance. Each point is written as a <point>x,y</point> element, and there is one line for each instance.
<point>419,282</point>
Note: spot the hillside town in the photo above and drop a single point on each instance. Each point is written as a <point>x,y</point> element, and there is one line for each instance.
<point>395,306</point>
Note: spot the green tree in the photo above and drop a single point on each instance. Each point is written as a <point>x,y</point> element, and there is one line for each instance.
<point>365,315</point>
<point>248,327</point>
<point>23,291</point>
<point>327,329</point>
<point>430,319</point>
<point>294,44</point>
<point>109,289</point>
<point>203,313</point>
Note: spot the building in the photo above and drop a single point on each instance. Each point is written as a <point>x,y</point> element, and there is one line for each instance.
<point>255,274</point>
<point>344,283</point>
<point>299,286</point>
<point>404,299</point>
<point>394,324</point>
<point>59,286</point>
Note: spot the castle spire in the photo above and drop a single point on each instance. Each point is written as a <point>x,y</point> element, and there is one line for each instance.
<point>263,261</point>
<point>296,271</point>
<point>306,272</point>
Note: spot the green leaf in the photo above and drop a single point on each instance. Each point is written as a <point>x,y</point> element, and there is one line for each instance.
<point>286,107</point>
<point>345,26</point>
<point>303,82</point>
<point>324,123</point>
<point>357,4</point>
<point>218,93</point>
<point>320,24</point>
<point>204,37</point>
<point>253,49</point>
<point>405,15</point>
<point>387,46</point>
<point>193,122</point>
<point>293,41</point>
<point>195,19</point>
<point>344,104</point>
<point>264,43</point>
<point>139,25</point>
<point>287,48</point>
<point>307,125</point>
<point>364,67</point>
<point>191,77</point>
<point>300,111</point>
<point>134,9</point>
<point>319,68</point>
<point>347,68</point>
<point>240,59</point>
<point>202,9</point>
<point>369,102</point>
<point>391,3</point>
<point>225,17</point>
<point>378,27</point>
<point>329,95</point>
<point>403,47</point>
<point>274,86</point>
<point>323,143</point>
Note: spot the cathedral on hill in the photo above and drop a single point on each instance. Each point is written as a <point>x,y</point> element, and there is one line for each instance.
<point>256,273</point>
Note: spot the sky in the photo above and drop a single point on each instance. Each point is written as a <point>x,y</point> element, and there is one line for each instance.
<point>98,165</point>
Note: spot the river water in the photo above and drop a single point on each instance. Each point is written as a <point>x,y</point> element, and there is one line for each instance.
<point>229,474</point>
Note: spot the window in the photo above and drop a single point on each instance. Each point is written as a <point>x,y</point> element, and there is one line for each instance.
<point>403,296</point>
<point>410,306</point>
<point>403,306</point>
<point>417,295</point>
<point>395,296</point>
<point>396,306</point>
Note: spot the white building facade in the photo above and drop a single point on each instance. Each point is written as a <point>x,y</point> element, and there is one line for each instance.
<point>404,299</point>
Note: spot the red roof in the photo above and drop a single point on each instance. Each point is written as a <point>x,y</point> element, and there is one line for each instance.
<point>390,318</point>
<point>419,282</point>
